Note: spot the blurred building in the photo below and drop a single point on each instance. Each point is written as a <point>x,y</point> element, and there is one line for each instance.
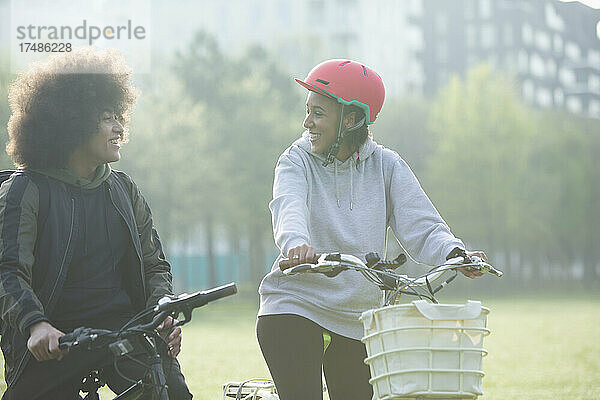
<point>552,47</point>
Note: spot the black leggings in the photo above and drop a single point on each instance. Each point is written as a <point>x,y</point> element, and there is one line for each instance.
<point>293,349</point>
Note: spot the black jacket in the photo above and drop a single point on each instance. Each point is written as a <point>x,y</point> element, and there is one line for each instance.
<point>33,266</point>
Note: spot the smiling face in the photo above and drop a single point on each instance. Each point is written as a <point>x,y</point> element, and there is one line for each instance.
<point>322,122</point>
<point>101,148</point>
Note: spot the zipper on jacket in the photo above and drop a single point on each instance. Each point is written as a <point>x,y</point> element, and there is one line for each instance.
<point>131,232</point>
<point>62,264</point>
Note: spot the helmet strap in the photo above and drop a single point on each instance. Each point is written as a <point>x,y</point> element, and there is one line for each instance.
<point>335,147</point>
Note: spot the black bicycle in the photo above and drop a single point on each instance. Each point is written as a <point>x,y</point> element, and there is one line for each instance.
<point>140,331</point>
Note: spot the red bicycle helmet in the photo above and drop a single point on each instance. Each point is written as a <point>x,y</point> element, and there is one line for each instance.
<point>349,82</point>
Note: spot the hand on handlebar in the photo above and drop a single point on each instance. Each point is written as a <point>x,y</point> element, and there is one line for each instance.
<point>299,255</point>
<point>469,271</point>
<point>43,342</point>
<point>171,334</point>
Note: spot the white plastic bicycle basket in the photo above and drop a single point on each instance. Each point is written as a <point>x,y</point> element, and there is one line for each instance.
<point>424,350</point>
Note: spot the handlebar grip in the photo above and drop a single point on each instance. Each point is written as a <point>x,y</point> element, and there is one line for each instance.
<point>219,292</point>
<point>198,299</point>
<point>286,263</point>
<point>80,336</point>
<point>66,341</point>
<point>204,297</point>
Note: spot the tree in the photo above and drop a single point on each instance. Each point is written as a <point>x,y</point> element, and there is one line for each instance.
<point>513,180</point>
<point>478,169</point>
<point>566,169</point>
<point>251,107</point>
<point>171,159</point>
<point>403,126</point>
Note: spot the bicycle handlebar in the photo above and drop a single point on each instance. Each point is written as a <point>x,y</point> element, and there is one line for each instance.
<point>323,263</point>
<point>81,336</point>
<point>196,299</point>
<point>184,303</point>
<point>383,274</point>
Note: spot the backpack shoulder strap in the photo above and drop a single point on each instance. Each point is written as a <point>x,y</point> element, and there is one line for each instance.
<point>44,201</point>
<point>5,174</point>
<point>43,188</point>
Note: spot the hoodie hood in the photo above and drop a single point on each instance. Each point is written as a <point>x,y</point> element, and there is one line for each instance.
<point>364,152</point>
<point>66,175</point>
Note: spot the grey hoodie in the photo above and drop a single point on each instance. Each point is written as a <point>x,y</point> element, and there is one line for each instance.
<point>346,207</point>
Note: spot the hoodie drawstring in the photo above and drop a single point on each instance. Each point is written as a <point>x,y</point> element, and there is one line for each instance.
<point>351,179</point>
<point>335,181</point>
<point>337,193</point>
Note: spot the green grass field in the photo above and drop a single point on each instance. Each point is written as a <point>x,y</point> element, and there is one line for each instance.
<point>540,348</point>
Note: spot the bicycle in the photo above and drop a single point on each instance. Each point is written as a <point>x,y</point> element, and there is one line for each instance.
<point>251,389</point>
<point>419,350</point>
<point>121,342</point>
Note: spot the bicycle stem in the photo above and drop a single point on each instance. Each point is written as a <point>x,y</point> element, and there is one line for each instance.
<point>156,321</point>
<point>158,377</point>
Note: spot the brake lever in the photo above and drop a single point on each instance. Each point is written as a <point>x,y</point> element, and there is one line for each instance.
<point>496,272</point>
<point>488,268</point>
<point>483,266</point>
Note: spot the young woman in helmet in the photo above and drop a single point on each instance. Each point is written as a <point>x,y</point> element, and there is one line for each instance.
<point>335,189</point>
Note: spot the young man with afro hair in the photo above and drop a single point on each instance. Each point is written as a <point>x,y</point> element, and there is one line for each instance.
<point>95,259</point>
